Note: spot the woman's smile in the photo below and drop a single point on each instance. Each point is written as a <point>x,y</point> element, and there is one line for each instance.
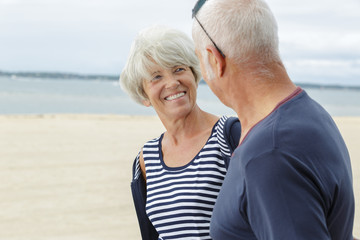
<point>175,96</point>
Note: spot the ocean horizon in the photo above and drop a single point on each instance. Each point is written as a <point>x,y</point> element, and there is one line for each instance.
<point>31,94</point>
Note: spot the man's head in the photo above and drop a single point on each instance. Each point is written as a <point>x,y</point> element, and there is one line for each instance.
<point>244,31</point>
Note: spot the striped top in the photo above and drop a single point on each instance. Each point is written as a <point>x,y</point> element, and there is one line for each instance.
<point>180,200</point>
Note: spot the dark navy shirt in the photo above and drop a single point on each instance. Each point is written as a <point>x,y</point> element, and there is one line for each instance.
<point>289,179</point>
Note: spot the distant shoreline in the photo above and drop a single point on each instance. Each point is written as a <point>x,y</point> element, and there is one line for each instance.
<point>60,75</point>
<point>104,77</point>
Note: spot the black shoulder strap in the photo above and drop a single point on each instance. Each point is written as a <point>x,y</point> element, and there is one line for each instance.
<point>232,132</point>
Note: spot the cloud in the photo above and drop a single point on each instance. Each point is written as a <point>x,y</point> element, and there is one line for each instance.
<point>92,36</point>
<point>319,40</point>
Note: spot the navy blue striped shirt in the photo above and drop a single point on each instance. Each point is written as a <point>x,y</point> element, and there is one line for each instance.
<point>180,200</point>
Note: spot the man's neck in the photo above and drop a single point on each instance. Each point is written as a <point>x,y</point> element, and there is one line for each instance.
<point>254,97</point>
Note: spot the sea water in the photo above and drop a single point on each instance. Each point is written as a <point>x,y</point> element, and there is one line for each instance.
<point>50,96</point>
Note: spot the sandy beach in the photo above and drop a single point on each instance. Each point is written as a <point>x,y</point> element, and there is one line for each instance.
<point>67,177</point>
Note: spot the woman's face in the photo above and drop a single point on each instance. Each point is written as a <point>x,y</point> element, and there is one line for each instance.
<point>171,91</point>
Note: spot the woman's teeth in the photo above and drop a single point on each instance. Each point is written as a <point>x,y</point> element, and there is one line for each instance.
<point>175,96</point>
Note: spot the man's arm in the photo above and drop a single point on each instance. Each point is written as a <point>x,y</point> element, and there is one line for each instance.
<point>284,199</point>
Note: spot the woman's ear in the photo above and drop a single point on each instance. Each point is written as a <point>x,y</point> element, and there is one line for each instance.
<point>146,102</point>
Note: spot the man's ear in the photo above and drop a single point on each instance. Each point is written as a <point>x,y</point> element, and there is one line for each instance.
<point>216,60</point>
<point>146,102</point>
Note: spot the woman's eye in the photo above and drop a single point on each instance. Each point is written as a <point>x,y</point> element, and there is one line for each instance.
<point>155,78</point>
<point>180,69</point>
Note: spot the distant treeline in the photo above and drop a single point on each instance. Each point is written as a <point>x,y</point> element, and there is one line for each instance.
<point>319,86</point>
<point>56,75</point>
<point>59,75</point>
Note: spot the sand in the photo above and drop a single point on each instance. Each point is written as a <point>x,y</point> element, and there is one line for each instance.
<point>68,176</point>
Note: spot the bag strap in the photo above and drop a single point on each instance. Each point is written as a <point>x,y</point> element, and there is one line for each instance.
<point>232,132</point>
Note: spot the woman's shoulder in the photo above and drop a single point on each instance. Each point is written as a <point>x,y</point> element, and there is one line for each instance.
<point>153,141</point>
<point>228,125</point>
<point>229,131</point>
<point>148,146</point>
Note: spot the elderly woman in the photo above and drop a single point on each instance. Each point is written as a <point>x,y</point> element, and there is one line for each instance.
<point>176,176</point>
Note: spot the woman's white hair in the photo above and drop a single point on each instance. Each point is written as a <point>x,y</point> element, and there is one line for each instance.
<point>242,29</point>
<point>156,45</point>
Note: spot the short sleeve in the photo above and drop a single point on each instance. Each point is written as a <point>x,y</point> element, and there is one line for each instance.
<point>284,199</point>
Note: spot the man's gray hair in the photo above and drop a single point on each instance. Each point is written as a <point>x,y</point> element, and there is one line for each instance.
<point>243,29</point>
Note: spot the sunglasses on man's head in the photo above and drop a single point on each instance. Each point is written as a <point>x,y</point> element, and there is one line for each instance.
<point>195,10</point>
<point>197,7</point>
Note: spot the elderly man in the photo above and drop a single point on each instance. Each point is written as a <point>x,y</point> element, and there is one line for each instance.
<point>290,177</point>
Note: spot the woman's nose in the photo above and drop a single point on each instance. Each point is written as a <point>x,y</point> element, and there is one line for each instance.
<point>172,83</point>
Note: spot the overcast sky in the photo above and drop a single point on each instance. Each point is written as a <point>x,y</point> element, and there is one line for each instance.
<point>319,39</point>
